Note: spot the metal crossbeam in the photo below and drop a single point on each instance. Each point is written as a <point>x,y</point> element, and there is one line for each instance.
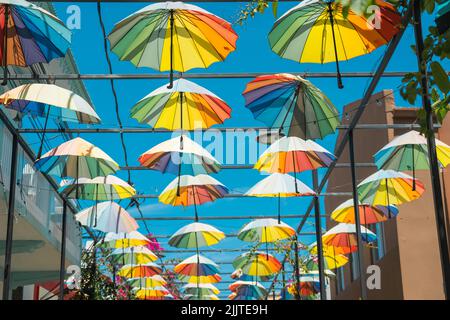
<point>240,217</point>
<point>239,195</point>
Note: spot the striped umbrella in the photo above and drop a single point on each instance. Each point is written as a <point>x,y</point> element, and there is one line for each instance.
<point>201,297</point>
<point>410,152</point>
<point>98,189</point>
<point>389,187</point>
<point>309,285</point>
<point>196,265</point>
<point>139,270</point>
<point>368,214</point>
<point>324,31</point>
<point>125,240</point>
<point>257,264</point>
<point>133,255</point>
<point>202,289</point>
<point>172,36</point>
<point>292,104</point>
<point>280,185</point>
<point>107,217</point>
<point>77,158</point>
<point>343,236</point>
<point>33,35</point>
<point>293,154</point>
<point>145,282</point>
<point>331,260</point>
<point>149,293</point>
<point>185,106</point>
<point>200,279</point>
<point>196,235</point>
<point>248,289</point>
<point>177,158</point>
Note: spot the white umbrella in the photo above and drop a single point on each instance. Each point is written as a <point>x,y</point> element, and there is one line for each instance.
<point>107,217</point>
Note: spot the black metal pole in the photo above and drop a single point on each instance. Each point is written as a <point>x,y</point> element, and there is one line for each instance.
<point>283,282</point>
<point>431,142</point>
<point>10,223</point>
<point>170,86</point>
<point>338,72</point>
<point>62,265</point>
<point>5,48</point>
<point>318,224</point>
<point>357,220</point>
<point>297,269</point>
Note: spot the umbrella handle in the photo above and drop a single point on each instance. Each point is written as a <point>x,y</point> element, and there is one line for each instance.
<point>413,170</point>
<point>5,48</point>
<point>339,77</point>
<point>170,86</point>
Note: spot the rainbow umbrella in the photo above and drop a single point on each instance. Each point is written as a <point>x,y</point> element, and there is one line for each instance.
<point>172,36</point>
<point>332,261</point>
<point>185,106</point>
<point>320,31</point>
<point>202,289</point>
<point>150,292</point>
<point>77,158</point>
<point>201,297</point>
<point>99,188</point>
<point>257,264</point>
<point>280,185</point>
<point>200,279</point>
<point>343,236</point>
<point>293,154</point>
<point>145,282</point>
<point>368,214</point>
<point>196,265</point>
<point>133,255</point>
<point>292,104</point>
<point>107,217</point>
<point>248,289</point>
<point>389,187</point>
<point>410,152</point>
<point>125,240</point>
<point>33,35</point>
<point>178,158</point>
<point>308,286</point>
<point>196,235</point>
<point>139,270</point>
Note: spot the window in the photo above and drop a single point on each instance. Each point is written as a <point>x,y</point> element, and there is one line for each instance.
<point>340,285</point>
<point>354,266</point>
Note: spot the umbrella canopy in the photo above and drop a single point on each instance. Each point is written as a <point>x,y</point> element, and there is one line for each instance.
<point>389,187</point>
<point>99,188</point>
<point>139,270</point>
<point>265,230</point>
<point>343,236</point>
<point>201,297</point>
<point>196,235</point>
<point>77,158</point>
<point>200,279</point>
<point>308,286</point>
<point>107,217</point>
<point>172,36</point>
<point>179,156</point>
<point>368,214</point>
<point>189,190</point>
<point>49,100</point>
<point>292,104</point>
<point>150,292</point>
<point>200,289</point>
<point>196,265</point>
<point>133,255</point>
<point>332,261</point>
<point>33,35</point>
<point>341,35</point>
<point>185,106</point>
<point>293,154</point>
<point>410,152</point>
<point>248,289</point>
<point>257,264</point>
<point>146,282</point>
<point>125,240</point>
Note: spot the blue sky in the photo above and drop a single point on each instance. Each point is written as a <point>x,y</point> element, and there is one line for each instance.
<point>253,54</point>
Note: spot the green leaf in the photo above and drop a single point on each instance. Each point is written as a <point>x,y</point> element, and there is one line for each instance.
<point>440,77</point>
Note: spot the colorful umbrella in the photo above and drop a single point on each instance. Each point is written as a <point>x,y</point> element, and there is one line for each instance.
<point>77,158</point>
<point>172,36</point>
<point>293,154</point>
<point>150,292</point>
<point>186,106</point>
<point>145,282</point>
<point>265,230</point>
<point>107,217</point>
<point>200,279</point>
<point>202,289</point>
<point>248,289</point>
<point>343,236</point>
<point>257,264</point>
<point>368,214</point>
<point>410,152</point>
<point>331,260</point>
<point>125,240</point>
<point>320,31</point>
<point>292,104</point>
<point>308,286</point>
<point>389,187</point>
<point>280,185</point>
<point>33,35</point>
<point>197,265</point>
<point>196,235</point>
<point>99,188</point>
<point>202,297</point>
<point>133,255</point>
<point>177,158</point>
<point>139,270</point>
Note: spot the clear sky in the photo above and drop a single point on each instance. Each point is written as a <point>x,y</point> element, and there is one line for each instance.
<point>253,54</point>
